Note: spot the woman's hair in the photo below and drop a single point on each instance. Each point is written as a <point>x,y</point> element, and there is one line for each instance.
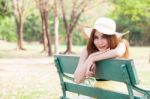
<point>126,54</point>
<point>113,41</point>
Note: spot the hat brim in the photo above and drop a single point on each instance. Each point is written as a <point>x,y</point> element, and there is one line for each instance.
<point>87,32</point>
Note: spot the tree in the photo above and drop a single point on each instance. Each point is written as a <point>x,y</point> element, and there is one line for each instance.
<point>134,16</point>
<point>71,19</point>
<point>44,6</point>
<point>56,26</point>
<point>5,9</point>
<point>19,9</point>
<point>78,8</point>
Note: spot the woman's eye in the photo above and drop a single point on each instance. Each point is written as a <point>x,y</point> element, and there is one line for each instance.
<point>104,36</point>
<point>95,37</point>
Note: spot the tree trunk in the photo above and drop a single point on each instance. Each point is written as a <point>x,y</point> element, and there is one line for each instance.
<point>56,26</point>
<point>20,34</point>
<point>47,32</point>
<point>69,43</point>
<point>44,38</point>
<point>74,17</point>
<point>19,8</point>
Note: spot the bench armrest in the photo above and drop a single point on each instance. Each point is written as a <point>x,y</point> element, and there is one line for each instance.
<point>142,90</point>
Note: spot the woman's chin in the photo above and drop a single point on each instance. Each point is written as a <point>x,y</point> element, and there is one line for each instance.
<point>102,50</point>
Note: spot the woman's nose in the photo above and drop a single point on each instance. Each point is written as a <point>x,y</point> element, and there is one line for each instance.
<point>100,41</point>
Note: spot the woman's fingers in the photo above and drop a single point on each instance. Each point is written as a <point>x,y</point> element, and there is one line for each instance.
<point>91,71</point>
<point>94,69</point>
<point>89,74</point>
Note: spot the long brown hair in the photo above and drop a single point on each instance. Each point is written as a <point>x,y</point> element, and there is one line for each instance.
<point>113,41</point>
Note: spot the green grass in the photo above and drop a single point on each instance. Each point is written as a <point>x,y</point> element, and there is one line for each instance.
<point>8,50</point>
<point>27,94</point>
<point>140,55</point>
<point>139,52</point>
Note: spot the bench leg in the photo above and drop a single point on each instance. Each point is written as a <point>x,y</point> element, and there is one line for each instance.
<point>61,97</point>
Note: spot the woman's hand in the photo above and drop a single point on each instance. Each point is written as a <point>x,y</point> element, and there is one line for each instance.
<point>90,70</point>
<point>90,66</point>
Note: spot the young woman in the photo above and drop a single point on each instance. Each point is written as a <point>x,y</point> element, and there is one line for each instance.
<point>104,43</point>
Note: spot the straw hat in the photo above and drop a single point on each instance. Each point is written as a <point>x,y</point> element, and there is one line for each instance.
<point>103,25</point>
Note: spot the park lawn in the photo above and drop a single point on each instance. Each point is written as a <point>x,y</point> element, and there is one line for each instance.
<point>140,55</point>
<point>8,50</point>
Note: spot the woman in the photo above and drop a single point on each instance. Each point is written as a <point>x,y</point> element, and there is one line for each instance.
<point>104,43</point>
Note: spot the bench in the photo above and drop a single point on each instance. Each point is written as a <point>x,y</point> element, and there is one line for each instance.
<point>119,70</point>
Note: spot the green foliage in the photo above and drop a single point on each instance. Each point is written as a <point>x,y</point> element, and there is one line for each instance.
<point>62,32</point>
<point>7,29</point>
<point>5,8</point>
<point>133,16</point>
<point>78,38</point>
<point>32,28</point>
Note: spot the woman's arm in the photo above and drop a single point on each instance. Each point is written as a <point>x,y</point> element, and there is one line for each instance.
<point>117,52</point>
<point>85,62</point>
<point>79,75</point>
<point>98,52</point>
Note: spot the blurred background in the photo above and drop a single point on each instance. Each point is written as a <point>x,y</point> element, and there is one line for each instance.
<point>32,31</point>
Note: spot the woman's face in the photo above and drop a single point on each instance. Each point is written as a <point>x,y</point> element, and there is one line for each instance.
<point>100,41</point>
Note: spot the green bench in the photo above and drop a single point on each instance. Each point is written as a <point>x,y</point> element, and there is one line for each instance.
<point>119,70</point>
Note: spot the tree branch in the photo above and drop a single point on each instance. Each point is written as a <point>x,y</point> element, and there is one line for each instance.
<point>64,15</point>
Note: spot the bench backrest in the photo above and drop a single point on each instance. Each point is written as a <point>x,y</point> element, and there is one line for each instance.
<point>116,69</point>
<point>110,69</point>
<point>121,70</point>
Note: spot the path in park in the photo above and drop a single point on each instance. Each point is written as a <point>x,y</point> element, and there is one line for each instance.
<point>29,74</point>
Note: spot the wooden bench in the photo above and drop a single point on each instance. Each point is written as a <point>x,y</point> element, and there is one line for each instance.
<point>119,70</point>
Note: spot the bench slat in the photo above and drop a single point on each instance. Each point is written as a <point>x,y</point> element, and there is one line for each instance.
<point>68,64</point>
<point>97,93</point>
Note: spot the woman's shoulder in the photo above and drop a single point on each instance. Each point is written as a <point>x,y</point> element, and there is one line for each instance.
<point>125,42</point>
<point>84,52</point>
